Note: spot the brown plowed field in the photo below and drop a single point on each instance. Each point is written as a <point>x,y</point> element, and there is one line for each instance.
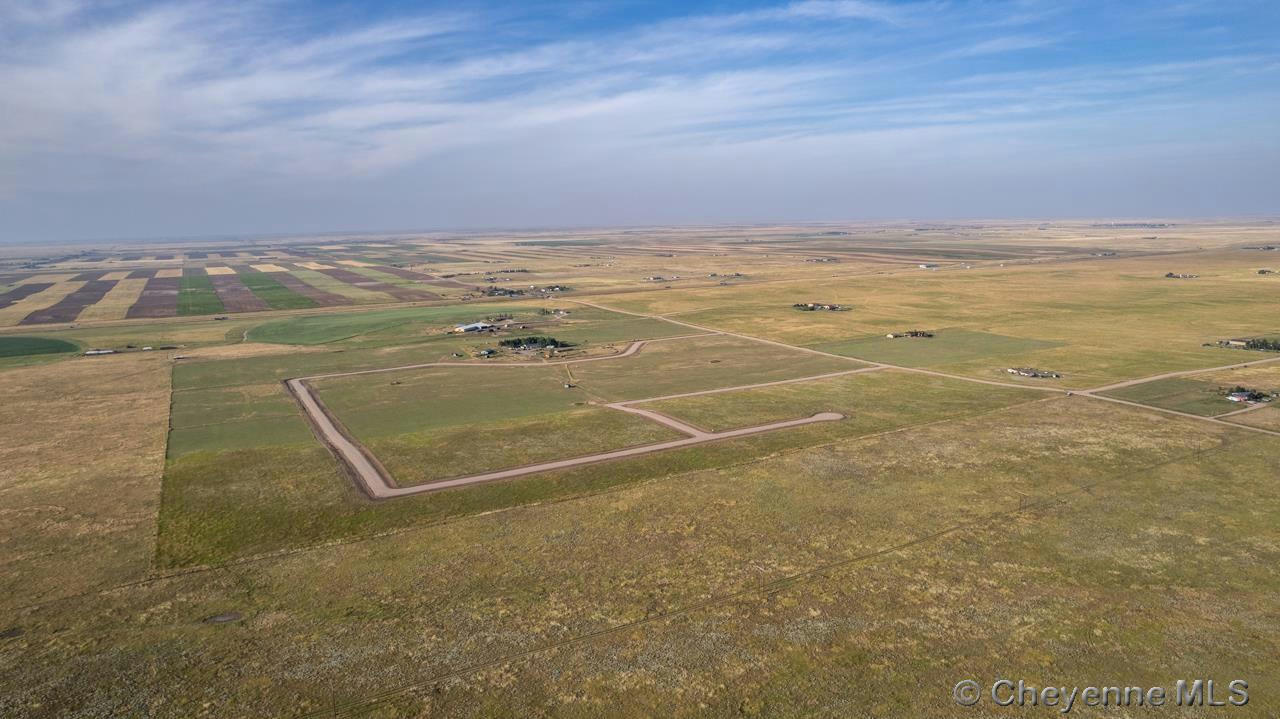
<point>235,296</point>
<point>404,294</point>
<point>70,307</point>
<point>158,299</point>
<point>22,292</point>
<point>420,276</point>
<point>306,290</point>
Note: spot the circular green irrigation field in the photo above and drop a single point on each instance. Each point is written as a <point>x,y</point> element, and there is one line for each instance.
<point>23,346</point>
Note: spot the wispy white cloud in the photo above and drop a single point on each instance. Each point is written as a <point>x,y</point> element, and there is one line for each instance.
<point>197,92</point>
<point>1008,43</point>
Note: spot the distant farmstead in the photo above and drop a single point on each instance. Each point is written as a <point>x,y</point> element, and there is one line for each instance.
<point>1033,372</point>
<point>1249,395</point>
<point>1262,344</point>
<point>816,306</point>
<point>473,327</point>
<point>909,333</point>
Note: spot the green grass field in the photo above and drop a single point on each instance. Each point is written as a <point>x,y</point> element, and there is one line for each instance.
<point>947,346</point>
<point>323,329</point>
<point>870,402</point>
<point>442,422</point>
<point>371,405</point>
<point>274,368</point>
<point>1184,394</point>
<point>234,418</point>
<point>698,363</point>
<point>276,295</point>
<point>196,295</point>
<point>197,407</point>
<point>431,454</point>
<point>25,346</point>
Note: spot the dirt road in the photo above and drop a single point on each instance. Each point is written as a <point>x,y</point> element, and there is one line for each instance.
<point>379,484</point>
<point>810,350</point>
<point>1090,393</point>
<point>374,479</point>
<point>1183,373</point>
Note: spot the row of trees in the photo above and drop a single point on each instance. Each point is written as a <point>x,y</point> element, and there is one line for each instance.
<point>534,342</point>
<point>1262,343</point>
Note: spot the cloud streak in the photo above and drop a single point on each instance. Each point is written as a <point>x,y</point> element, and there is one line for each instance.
<point>204,95</point>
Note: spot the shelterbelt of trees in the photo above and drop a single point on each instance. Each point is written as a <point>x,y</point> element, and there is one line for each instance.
<point>537,341</point>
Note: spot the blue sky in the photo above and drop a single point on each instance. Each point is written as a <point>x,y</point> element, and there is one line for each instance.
<point>145,119</point>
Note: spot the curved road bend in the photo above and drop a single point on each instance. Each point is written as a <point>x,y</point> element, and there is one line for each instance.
<point>369,476</point>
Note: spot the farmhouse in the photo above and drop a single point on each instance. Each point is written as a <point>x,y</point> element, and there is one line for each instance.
<point>927,266</point>
<point>1180,276</point>
<point>1033,372</point>
<point>909,333</point>
<point>816,306</point>
<point>1244,394</point>
<point>473,327</point>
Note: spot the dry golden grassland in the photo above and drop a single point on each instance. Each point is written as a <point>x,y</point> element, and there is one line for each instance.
<point>80,470</point>
<point>1265,417</point>
<point>1108,319</point>
<point>1069,538</point>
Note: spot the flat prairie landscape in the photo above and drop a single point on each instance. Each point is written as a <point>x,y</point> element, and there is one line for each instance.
<point>640,473</point>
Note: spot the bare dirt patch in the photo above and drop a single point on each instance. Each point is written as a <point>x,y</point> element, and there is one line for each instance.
<point>235,296</point>
<point>246,349</point>
<point>159,297</point>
